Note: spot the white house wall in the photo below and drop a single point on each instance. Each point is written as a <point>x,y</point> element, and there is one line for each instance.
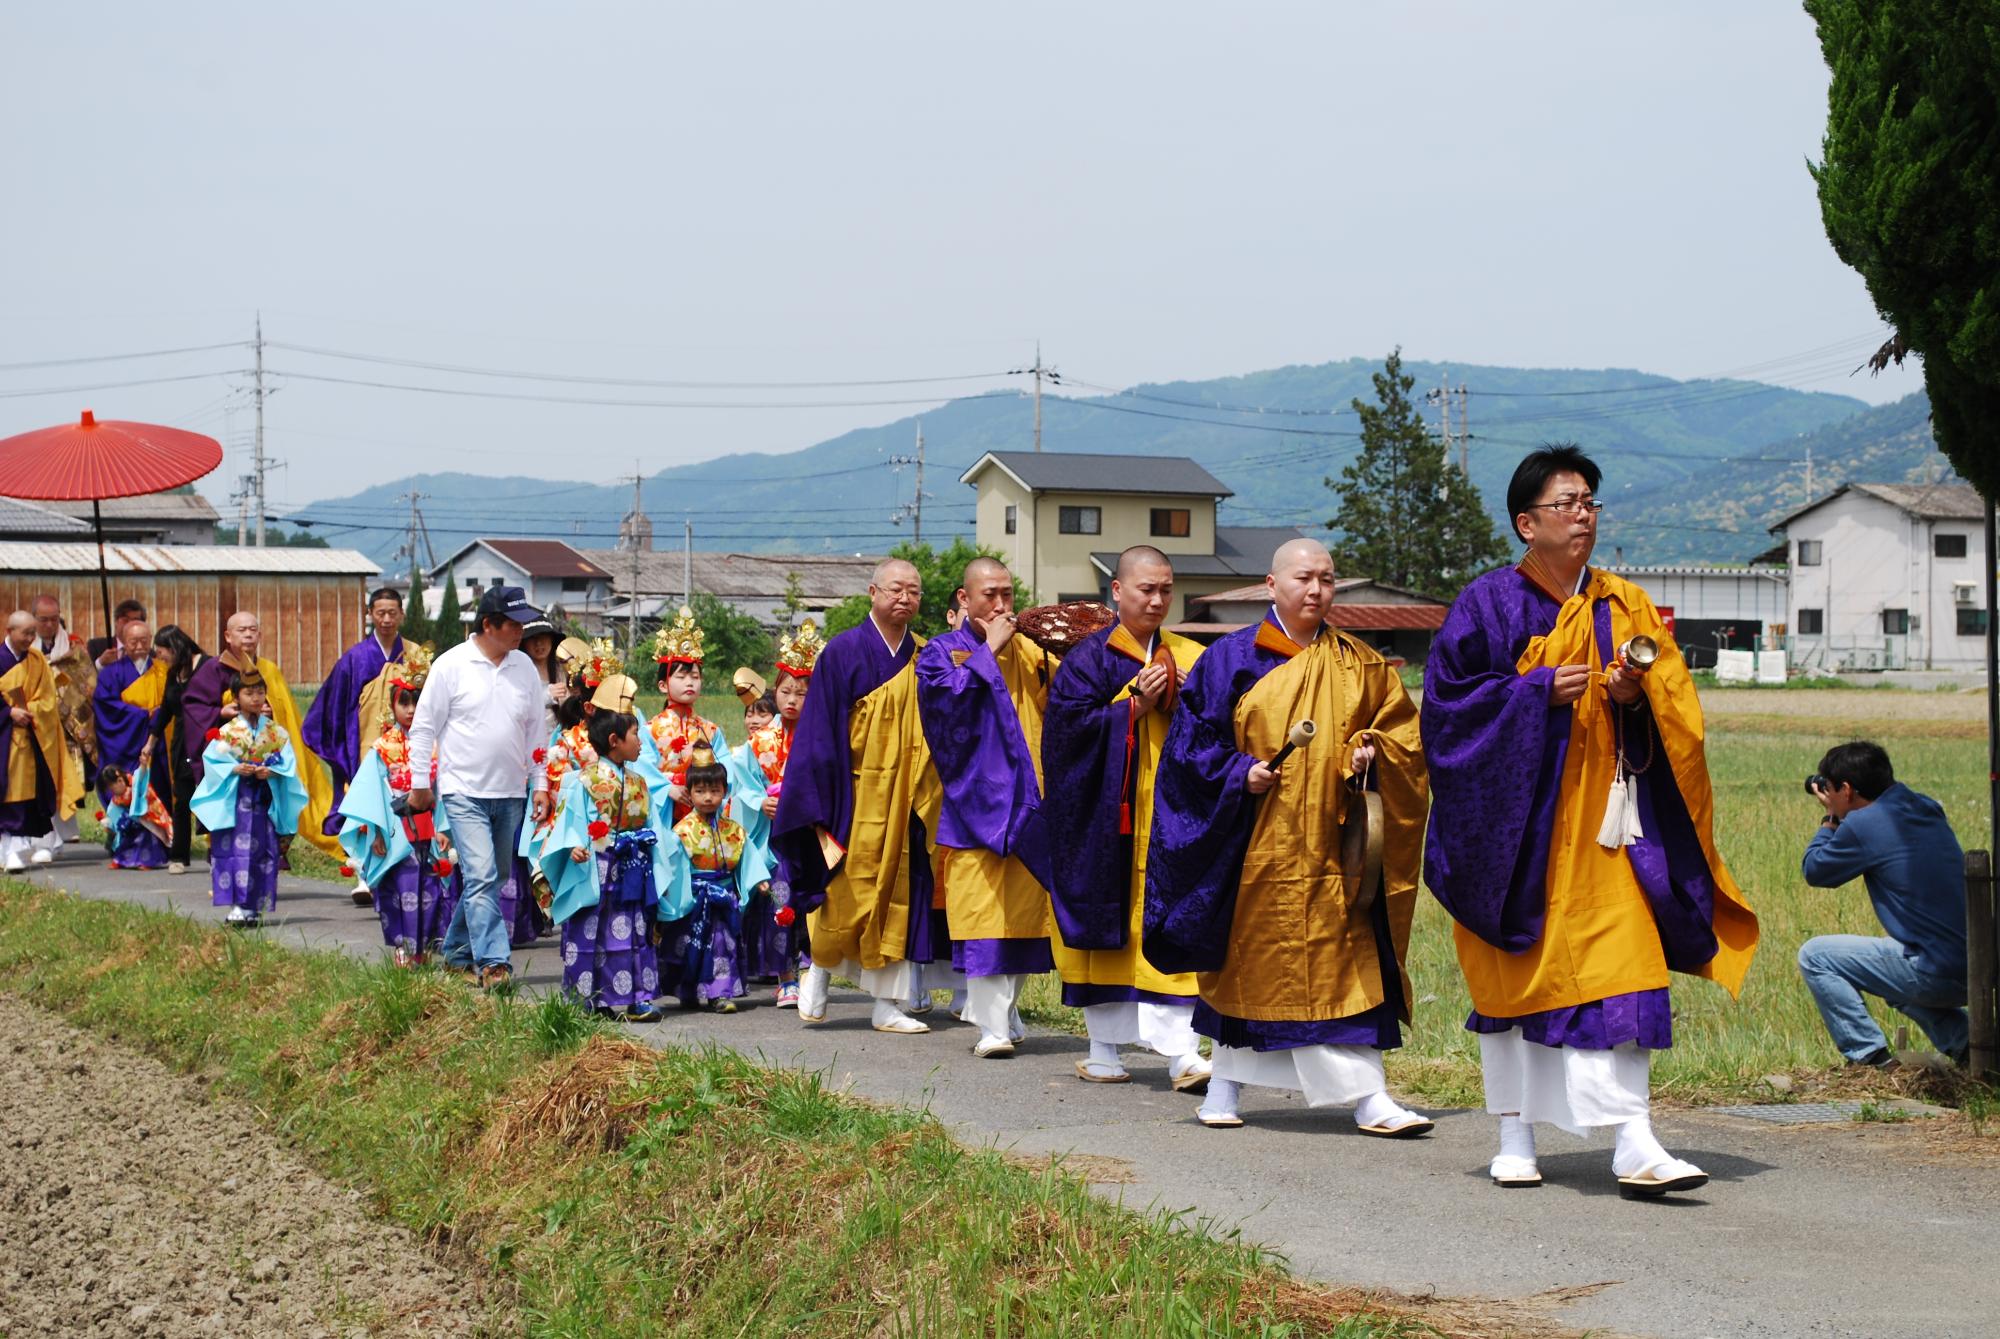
<point>1750,594</point>
<point>1876,556</point>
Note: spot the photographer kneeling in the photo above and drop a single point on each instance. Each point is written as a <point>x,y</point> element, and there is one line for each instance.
<point>1899,843</point>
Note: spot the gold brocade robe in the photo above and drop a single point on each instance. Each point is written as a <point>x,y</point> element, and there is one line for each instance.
<point>1127,966</point>
<point>1302,943</point>
<point>1599,937</point>
<point>988,895</point>
<point>31,685</point>
<point>866,915</point>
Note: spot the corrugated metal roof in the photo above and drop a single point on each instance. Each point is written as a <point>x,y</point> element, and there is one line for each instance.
<point>739,575</point>
<point>218,558</point>
<point>36,518</point>
<point>1348,618</point>
<point>145,507</point>
<point>1086,472</point>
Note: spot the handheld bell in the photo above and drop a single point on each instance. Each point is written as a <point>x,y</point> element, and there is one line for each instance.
<point>1639,653</point>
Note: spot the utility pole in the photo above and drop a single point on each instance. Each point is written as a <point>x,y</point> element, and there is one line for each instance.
<point>632,596</point>
<point>1809,492</point>
<point>260,466</point>
<point>417,527</point>
<point>1464,431</point>
<point>914,508</point>
<point>1037,370</point>
<point>687,562</point>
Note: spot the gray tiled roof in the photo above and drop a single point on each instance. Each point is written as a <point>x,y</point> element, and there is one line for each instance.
<point>1084,472</point>
<point>1932,502</point>
<point>34,518</point>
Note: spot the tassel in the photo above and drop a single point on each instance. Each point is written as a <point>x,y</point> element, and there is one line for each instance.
<point>1621,826</point>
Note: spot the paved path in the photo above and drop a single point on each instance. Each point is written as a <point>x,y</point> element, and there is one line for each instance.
<point>1814,1232</point>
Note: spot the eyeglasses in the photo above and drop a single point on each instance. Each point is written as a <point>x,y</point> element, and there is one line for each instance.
<point>1570,506</point>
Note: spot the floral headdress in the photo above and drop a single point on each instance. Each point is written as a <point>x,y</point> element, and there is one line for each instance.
<point>679,643</point>
<point>798,653</point>
<point>413,669</point>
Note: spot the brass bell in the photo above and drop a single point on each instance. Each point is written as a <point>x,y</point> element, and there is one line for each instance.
<point>1638,653</point>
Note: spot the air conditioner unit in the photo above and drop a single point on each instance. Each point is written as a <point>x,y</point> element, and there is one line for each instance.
<point>1963,592</point>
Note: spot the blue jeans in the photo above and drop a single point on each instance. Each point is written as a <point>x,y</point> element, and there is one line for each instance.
<point>1839,968</point>
<point>483,832</point>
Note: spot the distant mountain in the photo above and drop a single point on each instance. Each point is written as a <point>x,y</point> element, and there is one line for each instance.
<point>1272,436</point>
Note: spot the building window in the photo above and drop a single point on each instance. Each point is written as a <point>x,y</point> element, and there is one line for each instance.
<point>1895,622</point>
<point>1013,517</point>
<point>1080,520</point>
<point>1812,622</point>
<point>1947,546</point>
<point>1170,522</point>
<point>1809,552</point>
<point>575,585</point>
<point>1972,622</point>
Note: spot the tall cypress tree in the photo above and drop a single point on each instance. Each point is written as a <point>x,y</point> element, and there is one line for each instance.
<point>416,623</point>
<point>449,630</point>
<point>1408,516</point>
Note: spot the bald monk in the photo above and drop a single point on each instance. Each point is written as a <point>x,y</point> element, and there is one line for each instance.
<point>1298,959</point>
<point>982,692</point>
<point>1109,708</point>
<point>207,707</point>
<point>1573,837</point>
<point>860,800</point>
<point>42,783</point>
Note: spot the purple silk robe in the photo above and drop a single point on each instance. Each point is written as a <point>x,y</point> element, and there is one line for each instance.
<point>122,729</point>
<point>23,818</point>
<point>332,724</point>
<point>991,797</point>
<point>1202,817</point>
<point>1496,750</point>
<point>1090,779</point>
<point>201,707</point>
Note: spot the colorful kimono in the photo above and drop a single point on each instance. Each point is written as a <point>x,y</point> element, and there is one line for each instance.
<point>246,816</point>
<point>701,953</point>
<point>851,834</point>
<point>982,717</point>
<point>1560,935</point>
<point>608,904</point>
<point>121,728</point>
<point>43,781</point>
<point>1293,961</point>
<point>664,747</point>
<point>206,695</point>
<point>334,726</point>
<point>414,884</point>
<point>1100,757</point>
<point>757,773</point>
<point>137,837</point>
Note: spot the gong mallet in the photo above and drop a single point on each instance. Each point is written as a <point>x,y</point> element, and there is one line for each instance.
<point>1300,736</point>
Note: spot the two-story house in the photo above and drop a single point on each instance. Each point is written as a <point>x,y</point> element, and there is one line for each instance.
<point>554,575</point>
<point>1888,576</point>
<point>1060,519</point>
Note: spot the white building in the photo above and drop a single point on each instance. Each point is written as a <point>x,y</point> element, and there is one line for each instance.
<point>554,575</point>
<point>1710,608</point>
<point>1888,576</point>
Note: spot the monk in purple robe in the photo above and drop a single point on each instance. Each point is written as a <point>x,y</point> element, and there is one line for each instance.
<point>40,782</point>
<point>123,730</point>
<point>1109,709</point>
<point>1298,947</point>
<point>333,726</point>
<point>982,692</point>
<point>1573,834</point>
<point>851,835</point>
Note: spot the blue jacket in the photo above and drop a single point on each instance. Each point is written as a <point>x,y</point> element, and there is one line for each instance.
<point>1903,848</point>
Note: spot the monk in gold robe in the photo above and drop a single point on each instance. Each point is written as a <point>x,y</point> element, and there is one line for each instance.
<point>860,799</point>
<point>1298,945</point>
<point>1573,836</point>
<point>43,783</point>
<point>1109,709</point>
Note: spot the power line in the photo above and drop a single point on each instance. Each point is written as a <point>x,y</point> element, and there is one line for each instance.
<point>629,404</point>
<point>120,357</point>
<point>120,385</point>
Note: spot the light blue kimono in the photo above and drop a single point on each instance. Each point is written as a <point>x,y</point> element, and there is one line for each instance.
<point>748,787</point>
<point>214,801</point>
<point>657,781</point>
<point>574,883</point>
<point>366,812</point>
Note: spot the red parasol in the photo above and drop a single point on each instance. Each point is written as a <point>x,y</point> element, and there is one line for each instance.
<point>91,461</point>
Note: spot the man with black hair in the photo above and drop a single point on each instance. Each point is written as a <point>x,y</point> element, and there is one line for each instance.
<point>1900,845</point>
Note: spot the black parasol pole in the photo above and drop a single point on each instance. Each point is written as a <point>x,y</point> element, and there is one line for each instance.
<point>104,575</point>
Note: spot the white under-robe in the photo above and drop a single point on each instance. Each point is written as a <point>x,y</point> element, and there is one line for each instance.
<point>1575,1090</point>
<point>1327,1075</point>
<point>1165,1028</point>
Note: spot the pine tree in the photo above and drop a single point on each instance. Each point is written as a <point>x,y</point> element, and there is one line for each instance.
<point>416,623</point>
<point>1408,516</point>
<point>449,629</point>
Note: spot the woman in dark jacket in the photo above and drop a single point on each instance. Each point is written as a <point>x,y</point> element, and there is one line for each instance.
<point>181,656</point>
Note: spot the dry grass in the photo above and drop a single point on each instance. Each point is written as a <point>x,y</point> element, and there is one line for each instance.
<point>572,1106</point>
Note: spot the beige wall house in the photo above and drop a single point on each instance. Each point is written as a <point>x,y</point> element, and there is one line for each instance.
<point>1060,519</point>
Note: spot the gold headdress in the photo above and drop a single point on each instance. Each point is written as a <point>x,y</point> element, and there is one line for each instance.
<point>571,652</point>
<point>615,693</point>
<point>413,669</point>
<point>679,642</point>
<point>603,662</point>
<point>749,685</point>
<point>798,653</point>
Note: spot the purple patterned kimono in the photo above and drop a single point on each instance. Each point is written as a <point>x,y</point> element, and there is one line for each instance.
<point>1202,817</point>
<point>332,725</point>
<point>819,782</point>
<point>244,859</point>
<point>607,950</point>
<point>415,906</point>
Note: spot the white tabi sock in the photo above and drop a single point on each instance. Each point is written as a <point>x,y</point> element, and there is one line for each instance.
<point>1517,1138</point>
<point>1192,1062</point>
<point>1380,1109</point>
<point>1105,1054</point>
<point>1221,1099</point>
<point>1638,1148</point>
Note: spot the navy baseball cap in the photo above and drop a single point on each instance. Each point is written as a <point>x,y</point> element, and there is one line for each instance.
<point>510,602</point>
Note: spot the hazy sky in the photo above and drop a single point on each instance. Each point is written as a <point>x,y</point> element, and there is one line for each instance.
<point>812,193</point>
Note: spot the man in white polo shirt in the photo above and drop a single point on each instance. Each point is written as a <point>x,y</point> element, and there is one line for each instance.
<point>479,722</point>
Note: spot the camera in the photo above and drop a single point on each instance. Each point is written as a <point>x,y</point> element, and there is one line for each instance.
<point>1816,783</point>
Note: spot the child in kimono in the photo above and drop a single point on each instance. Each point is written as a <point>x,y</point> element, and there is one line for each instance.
<point>404,858</point>
<point>137,826</point>
<point>249,799</point>
<point>606,863</point>
<point>671,736</point>
<point>702,952</point>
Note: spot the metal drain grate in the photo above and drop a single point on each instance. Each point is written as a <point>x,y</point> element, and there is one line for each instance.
<point>1794,1113</point>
